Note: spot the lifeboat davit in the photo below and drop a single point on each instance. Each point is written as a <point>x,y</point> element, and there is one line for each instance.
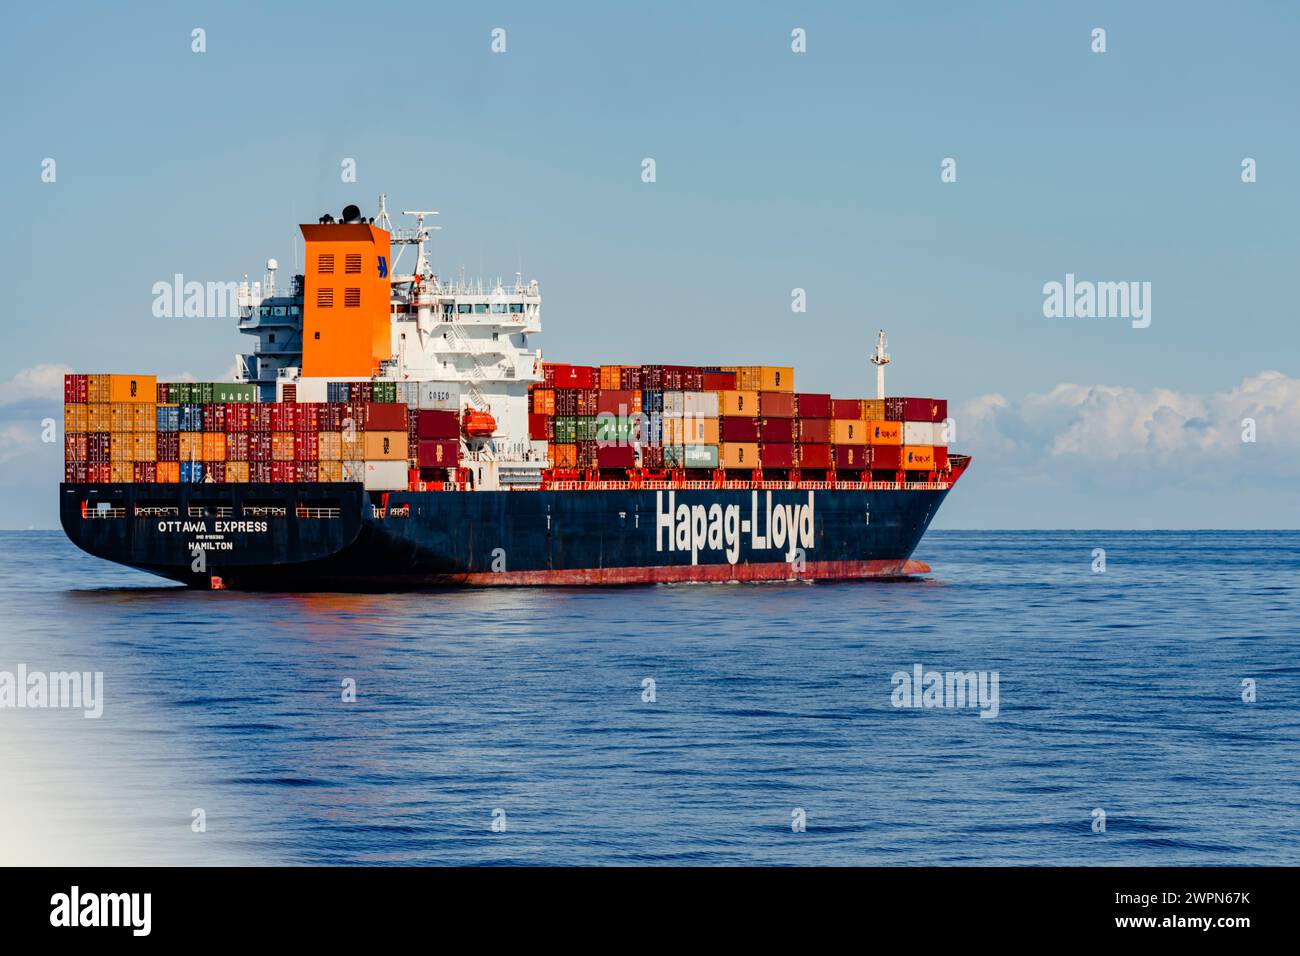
<point>479,424</point>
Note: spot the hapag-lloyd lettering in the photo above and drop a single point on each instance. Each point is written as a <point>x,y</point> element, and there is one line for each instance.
<point>771,525</point>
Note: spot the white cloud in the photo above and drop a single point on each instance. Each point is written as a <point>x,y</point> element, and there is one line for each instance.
<point>1116,426</point>
<point>40,382</point>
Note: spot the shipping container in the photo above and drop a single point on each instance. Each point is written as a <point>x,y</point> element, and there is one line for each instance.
<point>739,454</point>
<point>887,457</point>
<point>918,458</point>
<point>305,447</point>
<point>911,409</point>
<point>237,446</point>
<point>236,472</point>
<point>777,430</point>
<point>817,456</point>
<point>74,446</point>
<point>776,455</point>
<point>385,445</point>
<point>918,433</point>
<point>97,389</point>
<point>99,417</point>
<point>168,472</point>
<point>813,431</point>
<point>542,401</point>
<point>330,470</point>
<point>76,471</point>
<point>718,381</point>
<point>384,393</point>
<point>76,389</point>
<point>225,392</point>
<point>281,446</point>
<point>132,388</point>
<point>776,405</point>
<point>885,433</point>
<point>940,458</point>
<point>191,446</point>
<point>851,457</point>
<point>386,475</point>
<point>847,432</point>
<point>437,424</point>
<point>75,417</point>
<point>168,445</point>
<point>438,453</point>
<point>572,376</point>
<point>692,430</point>
<point>121,472</point>
<point>617,401</point>
<point>812,405</point>
<point>191,472</point>
<point>738,404</point>
<point>385,417</point>
<point>261,446</point>
<point>775,378</point>
<point>615,456</point>
<point>329,446</point>
<point>738,429</point>
<point>167,418</point>
<point>539,426</point>
<point>562,454</point>
<point>873,409</point>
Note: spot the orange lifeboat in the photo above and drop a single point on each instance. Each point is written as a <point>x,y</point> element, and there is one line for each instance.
<point>479,424</point>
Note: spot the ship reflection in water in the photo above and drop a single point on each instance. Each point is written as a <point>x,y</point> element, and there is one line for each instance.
<point>671,724</point>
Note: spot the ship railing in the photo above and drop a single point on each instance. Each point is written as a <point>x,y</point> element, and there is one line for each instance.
<point>264,511</point>
<point>303,511</point>
<point>161,511</point>
<point>740,485</point>
<point>216,511</point>
<point>99,511</point>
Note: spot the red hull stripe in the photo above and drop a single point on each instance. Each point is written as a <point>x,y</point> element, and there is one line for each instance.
<point>666,574</point>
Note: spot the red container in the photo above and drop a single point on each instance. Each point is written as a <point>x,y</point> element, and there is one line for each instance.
<point>284,415</point>
<point>919,409</point>
<point>439,453</point>
<point>574,376</point>
<point>98,444</point>
<point>259,471</point>
<point>260,416</point>
<point>851,457</point>
<point>236,417</point>
<point>74,446</point>
<point>777,430</point>
<point>813,431</point>
<point>539,427</point>
<point>717,381</point>
<point>306,471</point>
<point>887,457</point>
<point>282,471</point>
<point>652,456</point>
<point>614,401</point>
<point>738,429</point>
<point>616,456</point>
<point>359,392</point>
<point>306,446</point>
<point>566,401</point>
<point>160,393</point>
<point>811,405</point>
<point>432,424</point>
<point>776,455</point>
<point>214,417</point>
<point>76,388</point>
<point>76,471</point>
<point>631,378</point>
<point>846,409</point>
<point>385,417</point>
<point>776,404</point>
<point>940,457</point>
<point>588,398</point>
<point>814,456</point>
<point>216,470</point>
<point>587,454</point>
<point>331,416</point>
<point>259,446</point>
<point>237,446</point>
<point>169,446</point>
<point>940,409</point>
<point>308,417</point>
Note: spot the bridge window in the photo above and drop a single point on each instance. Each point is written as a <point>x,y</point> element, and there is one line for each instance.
<point>498,308</point>
<point>464,308</point>
<point>480,308</point>
<point>516,308</point>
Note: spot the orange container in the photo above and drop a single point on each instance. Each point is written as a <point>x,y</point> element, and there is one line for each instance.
<point>690,430</point>
<point>742,454</point>
<point>119,447</point>
<point>144,446</point>
<point>385,446</point>
<point>99,417</point>
<point>169,472</point>
<point>884,433</point>
<point>775,378</point>
<point>329,446</point>
<point>122,471</point>
<point>544,401</point>
<point>329,470</point>
<point>214,446</point>
<point>97,388</point>
<point>144,417</point>
<point>918,458</point>
<point>873,409</point>
<point>191,446</point>
<point>132,388</point>
<point>562,455</point>
<point>281,446</point>
<point>119,417</point>
<point>741,404</point>
<point>237,472</point>
<point>75,418</point>
<point>845,431</point>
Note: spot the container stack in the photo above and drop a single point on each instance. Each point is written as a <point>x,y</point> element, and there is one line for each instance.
<point>133,429</point>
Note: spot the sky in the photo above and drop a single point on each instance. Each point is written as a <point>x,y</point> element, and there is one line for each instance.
<point>775,170</point>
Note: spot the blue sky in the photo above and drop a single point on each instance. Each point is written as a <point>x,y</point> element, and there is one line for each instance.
<point>775,170</point>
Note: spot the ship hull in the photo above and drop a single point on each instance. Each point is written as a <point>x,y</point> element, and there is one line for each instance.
<point>339,537</point>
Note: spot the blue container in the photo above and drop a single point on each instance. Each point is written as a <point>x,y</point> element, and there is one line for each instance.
<point>169,418</point>
<point>652,400</point>
<point>191,418</point>
<point>336,391</point>
<point>191,472</point>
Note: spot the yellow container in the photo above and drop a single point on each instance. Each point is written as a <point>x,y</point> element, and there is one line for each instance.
<point>873,409</point>
<point>740,403</point>
<point>775,378</point>
<point>329,446</point>
<point>846,431</point>
<point>237,472</point>
<point>282,446</point>
<point>97,388</point>
<point>884,433</point>
<point>75,418</point>
<point>918,458</point>
<point>742,454</point>
<point>168,472</point>
<point>119,447</point>
<point>328,470</point>
<point>144,446</point>
<point>144,417</point>
<point>122,471</point>
<point>119,416</point>
<point>214,446</point>
<point>191,446</point>
<point>354,448</point>
<point>99,417</point>
<point>385,446</point>
<point>690,430</point>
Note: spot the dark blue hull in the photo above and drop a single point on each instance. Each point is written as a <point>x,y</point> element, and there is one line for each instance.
<point>307,537</point>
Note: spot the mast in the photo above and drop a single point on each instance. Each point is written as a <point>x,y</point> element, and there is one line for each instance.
<point>880,358</point>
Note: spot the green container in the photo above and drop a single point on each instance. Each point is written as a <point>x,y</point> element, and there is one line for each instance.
<point>233,392</point>
<point>384,391</point>
<point>613,428</point>
<point>690,456</point>
<point>204,392</point>
<point>566,430</point>
<point>176,393</point>
<point>585,428</point>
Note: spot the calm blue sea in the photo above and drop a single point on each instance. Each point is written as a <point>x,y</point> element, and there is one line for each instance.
<point>1119,691</point>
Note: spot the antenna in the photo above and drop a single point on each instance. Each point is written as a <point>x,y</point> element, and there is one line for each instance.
<point>880,358</point>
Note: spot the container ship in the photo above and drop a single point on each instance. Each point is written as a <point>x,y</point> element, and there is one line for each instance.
<point>394,429</point>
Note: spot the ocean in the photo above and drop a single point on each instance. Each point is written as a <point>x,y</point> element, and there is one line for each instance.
<point>669,725</point>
